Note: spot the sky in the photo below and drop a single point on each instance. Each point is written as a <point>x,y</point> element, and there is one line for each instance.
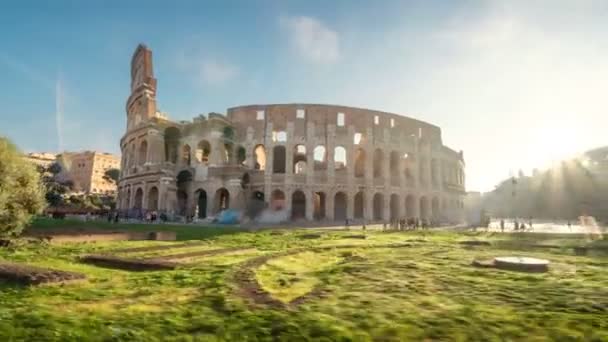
<point>514,84</point>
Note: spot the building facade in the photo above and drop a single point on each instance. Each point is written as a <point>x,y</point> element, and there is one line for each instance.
<point>87,169</point>
<point>318,162</point>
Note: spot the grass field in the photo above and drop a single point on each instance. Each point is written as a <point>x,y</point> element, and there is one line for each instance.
<point>359,290</point>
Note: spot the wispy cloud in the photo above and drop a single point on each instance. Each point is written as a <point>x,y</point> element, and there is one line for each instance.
<point>216,73</point>
<point>312,39</point>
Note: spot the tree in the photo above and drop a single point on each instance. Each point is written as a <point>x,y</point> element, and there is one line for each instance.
<point>112,175</point>
<point>21,192</point>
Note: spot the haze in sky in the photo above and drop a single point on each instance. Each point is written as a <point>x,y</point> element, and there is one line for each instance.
<point>515,84</point>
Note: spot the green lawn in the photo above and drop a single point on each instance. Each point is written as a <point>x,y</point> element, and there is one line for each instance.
<point>426,290</point>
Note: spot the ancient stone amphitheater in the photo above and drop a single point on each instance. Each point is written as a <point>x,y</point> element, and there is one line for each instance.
<point>311,161</point>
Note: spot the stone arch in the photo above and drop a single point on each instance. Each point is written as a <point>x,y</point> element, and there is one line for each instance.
<point>241,155</point>
<point>201,203</point>
<point>228,153</point>
<point>222,199</point>
<point>186,153</point>
<point>184,181</point>
<point>424,208</point>
<point>410,206</point>
<point>359,205</point>
<point>340,158</point>
<point>360,163</point>
<point>128,199</point>
<point>277,200</point>
<point>299,159</point>
<point>378,206</point>
<point>298,205</point>
<point>259,155</point>
<point>378,160</point>
<point>320,158</point>
<point>143,152</point>
<point>394,206</point>
<point>203,150</point>
<point>319,201</point>
<point>278,159</point>
<point>340,201</point>
<point>139,198</point>
<point>172,136</point>
<point>435,214</point>
<point>153,198</point>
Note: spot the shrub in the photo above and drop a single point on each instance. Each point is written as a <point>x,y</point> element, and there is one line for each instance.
<point>21,192</point>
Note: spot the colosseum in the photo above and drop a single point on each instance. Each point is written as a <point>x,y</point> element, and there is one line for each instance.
<point>315,162</point>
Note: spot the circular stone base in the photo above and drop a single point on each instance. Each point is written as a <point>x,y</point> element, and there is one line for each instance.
<point>524,264</point>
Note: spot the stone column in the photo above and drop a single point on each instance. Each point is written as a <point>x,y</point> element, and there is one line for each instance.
<point>329,205</point>
<point>310,157</point>
<point>350,204</point>
<point>386,211</point>
<point>330,150</point>
<point>289,151</point>
<point>310,205</point>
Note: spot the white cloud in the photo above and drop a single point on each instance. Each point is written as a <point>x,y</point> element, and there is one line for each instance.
<point>312,39</point>
<point>215,73</point>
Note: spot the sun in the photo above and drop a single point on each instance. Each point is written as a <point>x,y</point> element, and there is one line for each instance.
<point>554,143</point>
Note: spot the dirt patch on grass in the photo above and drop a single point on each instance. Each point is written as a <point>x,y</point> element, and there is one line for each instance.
<point>32,275</point>
<point>199,253</point>
<point>128,263</point>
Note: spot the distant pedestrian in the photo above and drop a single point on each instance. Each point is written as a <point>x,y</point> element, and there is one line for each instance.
<point>569,226</point>
<point>502,225</point>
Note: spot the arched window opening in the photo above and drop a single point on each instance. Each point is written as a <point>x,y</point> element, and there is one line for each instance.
<point>277,200</point>
<point>222,200</point>
<point>340,206</point>
<point>278,159</point>
<point>378,206</point>
<point>339,158</point>
<point>139,198</point>
<point>186,155</point>
<point>359,205</point>
<point>360,163</point>
<point>228,153</point>
<point>153,198</point>
<point>320,158</point>
<point>299,159</point>
<point>172,136</point>
<point>259,154</point>
<point>201,204</point>
<point>378,160</point>
<point>241,156</point>
<point>298,205</point>
<point>143,152</point>
<point>357,138</point>
<point>203,149</point>
<point>279,136</point>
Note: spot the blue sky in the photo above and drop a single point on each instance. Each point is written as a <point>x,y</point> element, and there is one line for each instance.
<point>515,84</point>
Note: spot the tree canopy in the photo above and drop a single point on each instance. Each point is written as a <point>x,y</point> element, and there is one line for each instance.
<point>21,192</point>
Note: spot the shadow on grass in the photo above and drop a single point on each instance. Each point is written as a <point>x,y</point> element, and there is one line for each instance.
<point>183,232</point>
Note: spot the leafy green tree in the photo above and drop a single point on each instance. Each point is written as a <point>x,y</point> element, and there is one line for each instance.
<point>21,192</point>
<point>112,175</point>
